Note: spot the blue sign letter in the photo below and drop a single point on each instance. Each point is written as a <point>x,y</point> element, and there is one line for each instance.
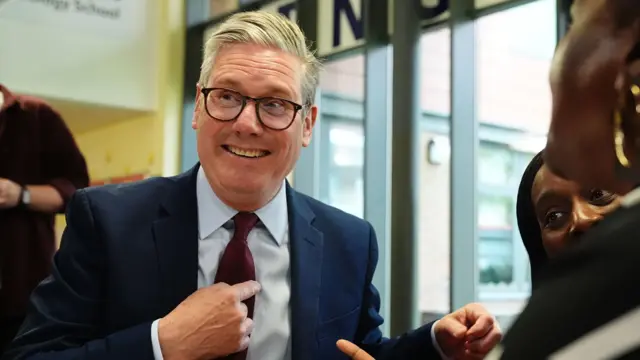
<point>355,24</point>
<point>286,9</point>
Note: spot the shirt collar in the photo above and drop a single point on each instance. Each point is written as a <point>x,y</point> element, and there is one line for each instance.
<point>632,198</point>
<point>213,213</point>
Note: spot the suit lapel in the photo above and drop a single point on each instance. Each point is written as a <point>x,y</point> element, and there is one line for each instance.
<point>176,237</point>
<point>306,268</point>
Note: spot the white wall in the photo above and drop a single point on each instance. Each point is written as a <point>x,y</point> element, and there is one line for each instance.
<point>102,52</point>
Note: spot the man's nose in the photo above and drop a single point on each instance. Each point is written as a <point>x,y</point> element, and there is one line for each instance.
<point>247,122</point>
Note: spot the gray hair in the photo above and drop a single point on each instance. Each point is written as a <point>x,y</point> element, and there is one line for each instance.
<point>268,29</point>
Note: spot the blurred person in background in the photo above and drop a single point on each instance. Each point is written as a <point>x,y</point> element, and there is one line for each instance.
<point>40,168</point>
<point>554,213</point>
<point>227,259</point>
<point>588,307</point>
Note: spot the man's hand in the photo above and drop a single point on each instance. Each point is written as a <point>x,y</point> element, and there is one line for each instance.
<point>353,351</point>
<point>211,323</point>
<point>468,333</point>
<point>9,194</point>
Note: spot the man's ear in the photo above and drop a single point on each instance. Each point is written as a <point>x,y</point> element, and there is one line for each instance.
<point>308,123</point>
<point>196,109</point>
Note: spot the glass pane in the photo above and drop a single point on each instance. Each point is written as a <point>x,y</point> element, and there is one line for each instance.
<point>494,165</point>
<point>495,212</point>
<point>346,184</point>
<point>341,134</point>
<point>434,176</point>
<point>514,51</point>
<point>495,259</point>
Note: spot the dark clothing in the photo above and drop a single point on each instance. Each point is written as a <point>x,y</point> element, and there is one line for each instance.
<point>528,221</point>
<point>584,288</point>
<point>8,329</point>
<point>129,255</point>
<point>36,148</point>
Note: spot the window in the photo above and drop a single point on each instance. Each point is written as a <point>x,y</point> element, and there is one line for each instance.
<point>514,51</point>
<point>346,152</point>
<point>341,134</point>
<point>494,165</point>
<point>434,176</point>
<point>495,257</point>
<point>495,211</point>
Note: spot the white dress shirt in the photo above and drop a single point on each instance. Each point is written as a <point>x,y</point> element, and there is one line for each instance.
<point>269,245</point>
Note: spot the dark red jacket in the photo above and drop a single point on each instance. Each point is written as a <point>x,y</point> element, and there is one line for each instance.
<point>36,148</point>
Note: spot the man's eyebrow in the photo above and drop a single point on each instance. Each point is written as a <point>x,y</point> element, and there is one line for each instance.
<point>273,90</point>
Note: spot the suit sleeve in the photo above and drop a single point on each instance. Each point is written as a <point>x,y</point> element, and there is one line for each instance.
<point>583,289</point>
<point>416,344</point>
<point>66,310</point>
<point>64,165</point>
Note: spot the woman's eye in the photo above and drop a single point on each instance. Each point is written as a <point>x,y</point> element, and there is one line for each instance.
<point>553,219</point>
<point>600,197</point>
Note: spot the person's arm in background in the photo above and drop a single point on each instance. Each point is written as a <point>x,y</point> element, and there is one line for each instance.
<point>64,168</point>
<point>417,344</point>
<point>67,308</point>
<point>64,165</point>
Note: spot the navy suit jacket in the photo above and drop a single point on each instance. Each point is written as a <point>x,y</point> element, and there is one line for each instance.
<point>129,255</point>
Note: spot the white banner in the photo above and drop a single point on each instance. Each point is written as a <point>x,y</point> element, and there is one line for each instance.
<point>107,17</point>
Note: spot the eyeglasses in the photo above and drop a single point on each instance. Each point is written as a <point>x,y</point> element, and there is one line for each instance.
<point>226,105</point>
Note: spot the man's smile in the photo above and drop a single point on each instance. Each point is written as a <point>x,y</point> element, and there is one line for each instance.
<point>245,153</point>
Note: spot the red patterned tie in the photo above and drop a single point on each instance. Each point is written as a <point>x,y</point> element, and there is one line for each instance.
<point>236,265</point>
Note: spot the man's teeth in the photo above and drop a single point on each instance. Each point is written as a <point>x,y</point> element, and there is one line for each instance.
<point>247,153</point>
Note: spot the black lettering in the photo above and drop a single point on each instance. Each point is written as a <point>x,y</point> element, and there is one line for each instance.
<point>90,8</point>
<point>58,5</point>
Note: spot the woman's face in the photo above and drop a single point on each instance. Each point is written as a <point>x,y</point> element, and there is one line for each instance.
<point>565,211</point>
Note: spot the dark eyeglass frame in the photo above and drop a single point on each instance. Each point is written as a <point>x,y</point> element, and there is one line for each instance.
<point>296,107</point>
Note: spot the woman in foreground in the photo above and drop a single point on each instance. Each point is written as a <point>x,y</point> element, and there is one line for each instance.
<point>553,213</point>
<point>590,306</point>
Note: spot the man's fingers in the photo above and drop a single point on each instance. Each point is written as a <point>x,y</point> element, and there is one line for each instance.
<point>353,351</point>
<point>481,327</point>
<point>486,343</point>
<point>246,289</point>
<point>244,343</point>
<point>471,355</point>
<point>452,328</point>
<point>247,326</point>
<point>347,347</point>
<point>244,310</point>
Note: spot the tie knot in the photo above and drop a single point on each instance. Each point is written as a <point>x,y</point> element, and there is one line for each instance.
<point>244,222</point>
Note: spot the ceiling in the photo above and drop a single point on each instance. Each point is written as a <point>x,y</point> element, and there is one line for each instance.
<point>83,117</point>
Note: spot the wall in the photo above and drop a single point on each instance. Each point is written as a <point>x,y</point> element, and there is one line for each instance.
<point>149,143</point>
<point>121,149</point>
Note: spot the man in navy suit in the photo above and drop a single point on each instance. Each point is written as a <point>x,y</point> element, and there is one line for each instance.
<point>226,260</point>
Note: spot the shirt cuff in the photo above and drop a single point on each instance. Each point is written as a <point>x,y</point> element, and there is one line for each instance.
<point>433,340</point>
<point>157,350</point>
